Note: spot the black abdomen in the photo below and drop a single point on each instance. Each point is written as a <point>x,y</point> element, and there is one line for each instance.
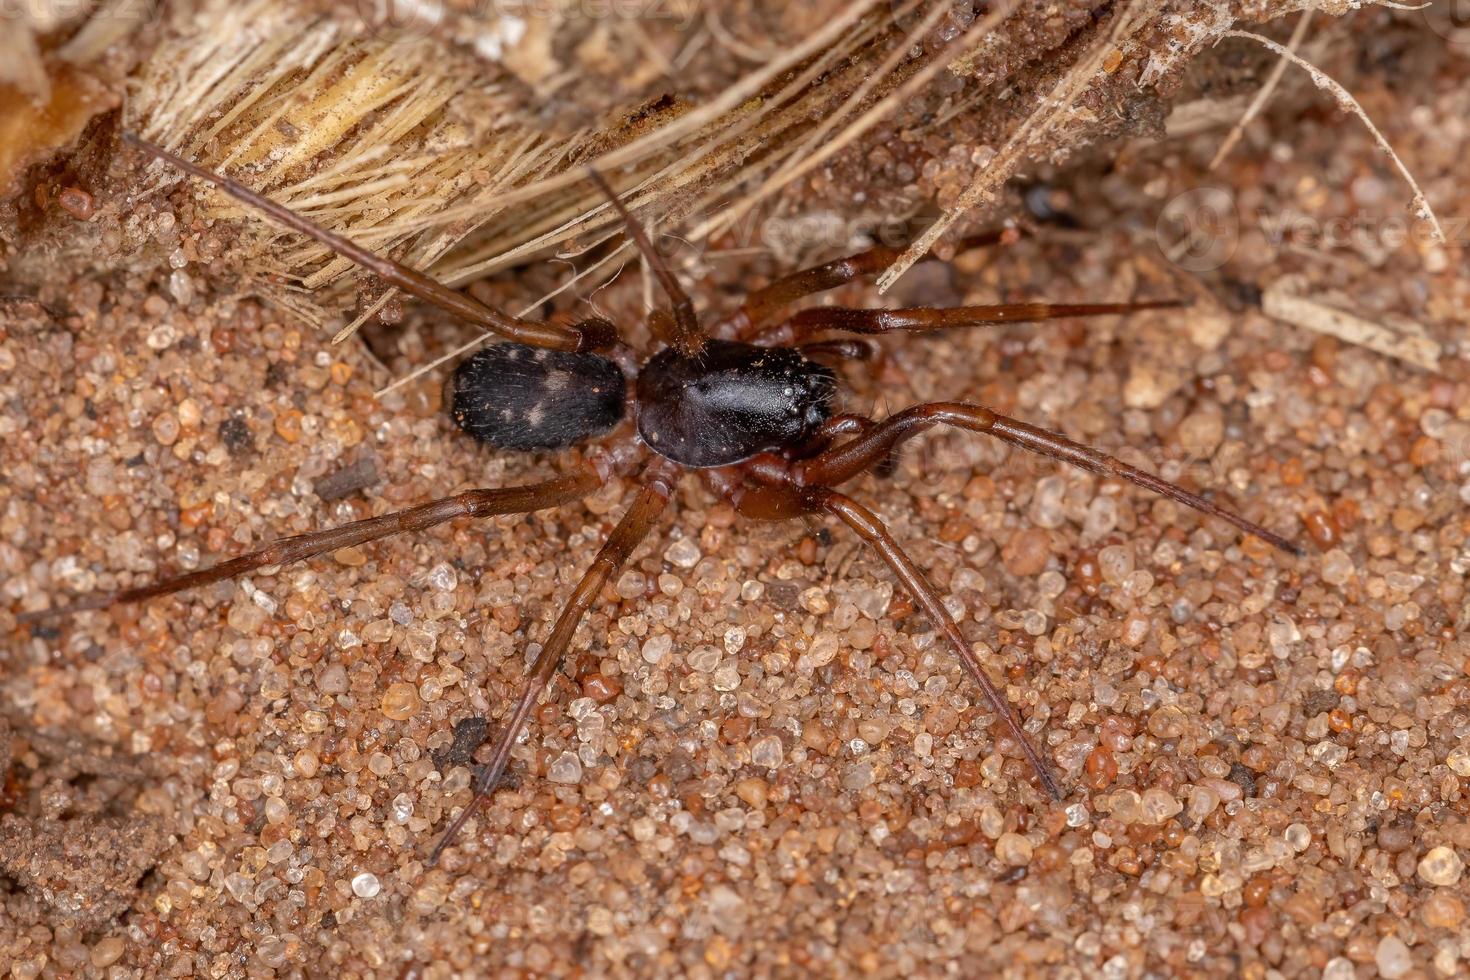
<point>732,401</point>
<point>528,398</point>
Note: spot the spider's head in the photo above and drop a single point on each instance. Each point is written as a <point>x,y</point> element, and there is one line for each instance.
<point>732,401</point>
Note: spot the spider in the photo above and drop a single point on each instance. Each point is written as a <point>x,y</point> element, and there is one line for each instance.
<point>748,404</point>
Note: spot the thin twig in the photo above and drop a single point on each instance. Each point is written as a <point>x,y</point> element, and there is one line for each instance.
<point>1349,104</point>
<point>808,162</point>
<point>1409,342</point>
<point>1264,95</point>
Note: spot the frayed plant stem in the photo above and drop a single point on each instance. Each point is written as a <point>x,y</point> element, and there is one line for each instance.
<point>1050,112</point>
<point>1349,104</point>
<point>1264,95</point>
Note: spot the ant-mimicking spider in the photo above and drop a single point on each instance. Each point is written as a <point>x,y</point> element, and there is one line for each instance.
<point>748,404</point>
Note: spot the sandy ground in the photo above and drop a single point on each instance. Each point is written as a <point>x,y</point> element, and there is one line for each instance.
<point>760,760</point>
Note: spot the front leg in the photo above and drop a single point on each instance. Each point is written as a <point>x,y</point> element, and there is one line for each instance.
<point>761,306</point>
<point>841,463</point>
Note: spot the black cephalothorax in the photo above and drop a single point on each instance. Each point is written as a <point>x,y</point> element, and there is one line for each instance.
<point>752,415</point>
<point>730,401</point>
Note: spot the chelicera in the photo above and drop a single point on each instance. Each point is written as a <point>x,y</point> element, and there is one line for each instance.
<point>748,404</point>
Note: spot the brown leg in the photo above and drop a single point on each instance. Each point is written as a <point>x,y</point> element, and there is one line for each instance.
<point>803,325</point>
<point>635,525</point>
<point>827,433</point>
<point>842,463</point>
<point>872,530</point>
<point>763,304</point>
<point>471,503</point>
<point>783,500</point>
<point>409,280</point>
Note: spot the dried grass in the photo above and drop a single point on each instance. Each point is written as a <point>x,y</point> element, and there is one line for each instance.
<point>1054,122</point>
<point>428,153</point>
<point>269,91</point>
<point>1263,96</point>
<point>1405,341</point>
